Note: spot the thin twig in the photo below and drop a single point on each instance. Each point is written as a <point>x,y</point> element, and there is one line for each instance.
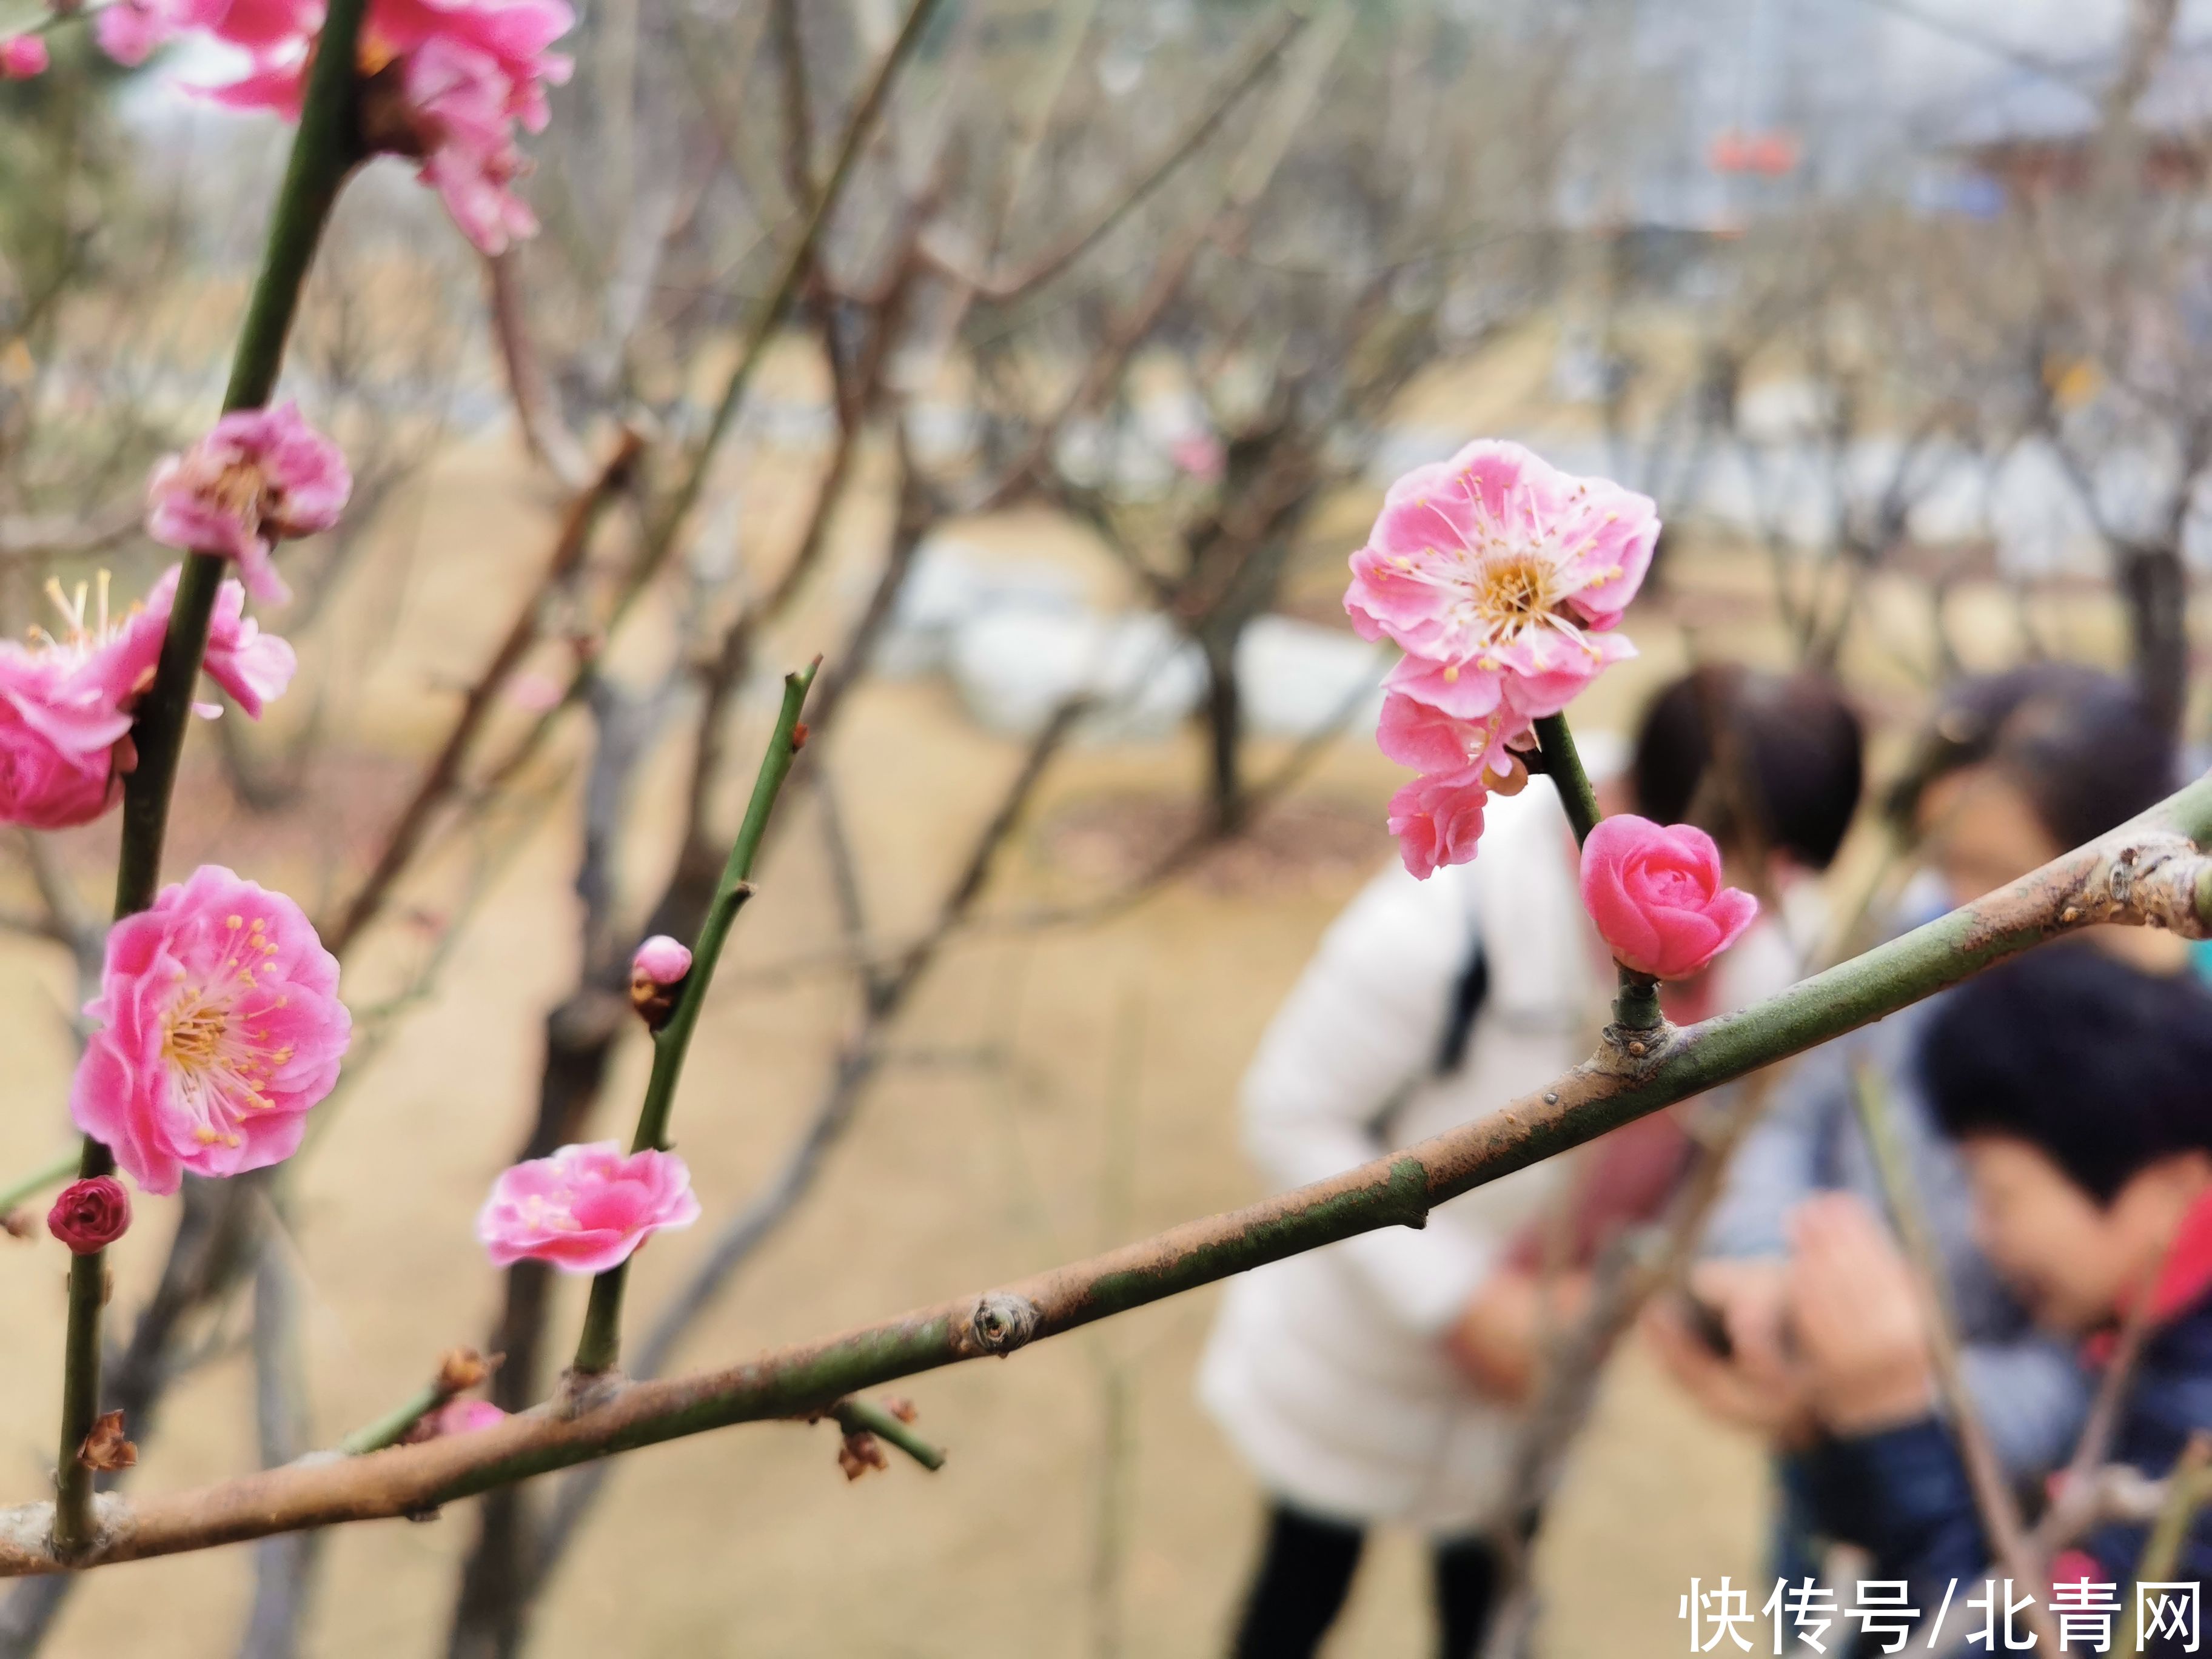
<point>1993,1497</point>
<point>600,1344</point>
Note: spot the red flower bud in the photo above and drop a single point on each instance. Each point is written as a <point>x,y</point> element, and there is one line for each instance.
<point>91,1215</point>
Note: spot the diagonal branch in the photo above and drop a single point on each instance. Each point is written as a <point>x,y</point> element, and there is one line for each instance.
<point>2147,872</point>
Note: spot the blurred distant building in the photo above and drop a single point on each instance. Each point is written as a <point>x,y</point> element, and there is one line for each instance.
<point>2035,132</point>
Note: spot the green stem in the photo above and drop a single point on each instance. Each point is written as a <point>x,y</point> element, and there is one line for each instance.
<point>324,151</point>
<point>859,1416</point>
<point>1636,1004</point>
<point>600,1345</point>
<point>1562,764</point>
<point>27,1187</point>
<point>391,1428</point>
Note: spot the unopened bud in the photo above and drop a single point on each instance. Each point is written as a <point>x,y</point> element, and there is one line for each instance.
<point>91,1215</point>
<point>657,973</point>
<point>460,1369</point>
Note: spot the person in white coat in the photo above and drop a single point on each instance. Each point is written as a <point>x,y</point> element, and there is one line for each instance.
<point>1377,1381</point>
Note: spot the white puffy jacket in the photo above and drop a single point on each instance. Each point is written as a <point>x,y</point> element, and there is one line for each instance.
<point>1326,1371</point>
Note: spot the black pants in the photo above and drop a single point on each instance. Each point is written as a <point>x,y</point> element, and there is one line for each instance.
<point>1305,1572</point>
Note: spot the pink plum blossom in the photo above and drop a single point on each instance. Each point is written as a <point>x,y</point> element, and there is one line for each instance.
<point>1501,577</point>
<point>455,99</point>
<point>586,1208</point>
<point>22,56</point>
<point>1438,819</point>
<point>65,702</point>
<point>448,82</point>
<point>220,1027</point>
<point>62,714</point>
<point>1655,893</point>
<point>260,476</point>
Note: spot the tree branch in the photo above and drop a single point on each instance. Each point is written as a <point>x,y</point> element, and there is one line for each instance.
<point>2147,872</point>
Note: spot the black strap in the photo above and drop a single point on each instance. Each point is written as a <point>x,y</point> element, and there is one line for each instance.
<point>1467,993</point>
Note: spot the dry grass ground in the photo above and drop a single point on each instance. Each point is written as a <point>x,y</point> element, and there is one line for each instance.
<point>1032,1057</point>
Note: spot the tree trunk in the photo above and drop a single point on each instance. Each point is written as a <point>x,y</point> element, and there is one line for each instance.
<point>2155,586</point>
<point>1224,726</point>
<point>489,1614</point>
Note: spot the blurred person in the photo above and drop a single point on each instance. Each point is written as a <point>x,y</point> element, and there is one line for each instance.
<point>1379,1380</point>
<point>2074,1087</point>
<point>2014,769</point>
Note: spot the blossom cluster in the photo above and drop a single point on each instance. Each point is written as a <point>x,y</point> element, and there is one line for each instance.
<point>446,82</point>
<point>67,699</point>
<point>1503,580</point>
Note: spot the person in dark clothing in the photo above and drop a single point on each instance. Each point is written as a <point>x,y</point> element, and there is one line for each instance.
<point>2077,1088</point>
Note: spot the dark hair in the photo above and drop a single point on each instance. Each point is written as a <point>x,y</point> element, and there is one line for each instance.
<point>2099,1066</point>
<point>2079,742</point>
<point>1791,754</point>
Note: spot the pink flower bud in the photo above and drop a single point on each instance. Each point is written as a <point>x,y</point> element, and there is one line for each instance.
<point>656,975</point>
<point>1655,893</point>
<point>466,1417</point>
<point>91,1215</point>
<point>22,56</point>
<point>661,960</point>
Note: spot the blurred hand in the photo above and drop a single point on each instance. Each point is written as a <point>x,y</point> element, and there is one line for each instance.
<point>1497,1341</point>
<point>1755,1386</point>
<point>1856,1315</point>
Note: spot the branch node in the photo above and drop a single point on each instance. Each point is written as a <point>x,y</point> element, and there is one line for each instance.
<point>1001,1323</point>
<point>1635,1052</point>
<point>581,1393</point>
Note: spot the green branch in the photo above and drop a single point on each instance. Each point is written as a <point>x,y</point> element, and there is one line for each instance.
<point>324,151</point>
<point>2144,872</point>
<point>1562,763</point>
<point>600,1345</point>
<point>1636,1004</point>
<point>859,1416</point>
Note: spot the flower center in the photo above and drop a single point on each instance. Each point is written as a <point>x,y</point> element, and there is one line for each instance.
<point>85,624</point>
<point>193,1037</point>
<point>218,1060</point>
<point>1511,590</point>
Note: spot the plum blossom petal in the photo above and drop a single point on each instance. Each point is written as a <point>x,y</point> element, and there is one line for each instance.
<point>220,1027</point>
<point>1438,819</point>
<point>585,1209</point>
<point>1656,895</point>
